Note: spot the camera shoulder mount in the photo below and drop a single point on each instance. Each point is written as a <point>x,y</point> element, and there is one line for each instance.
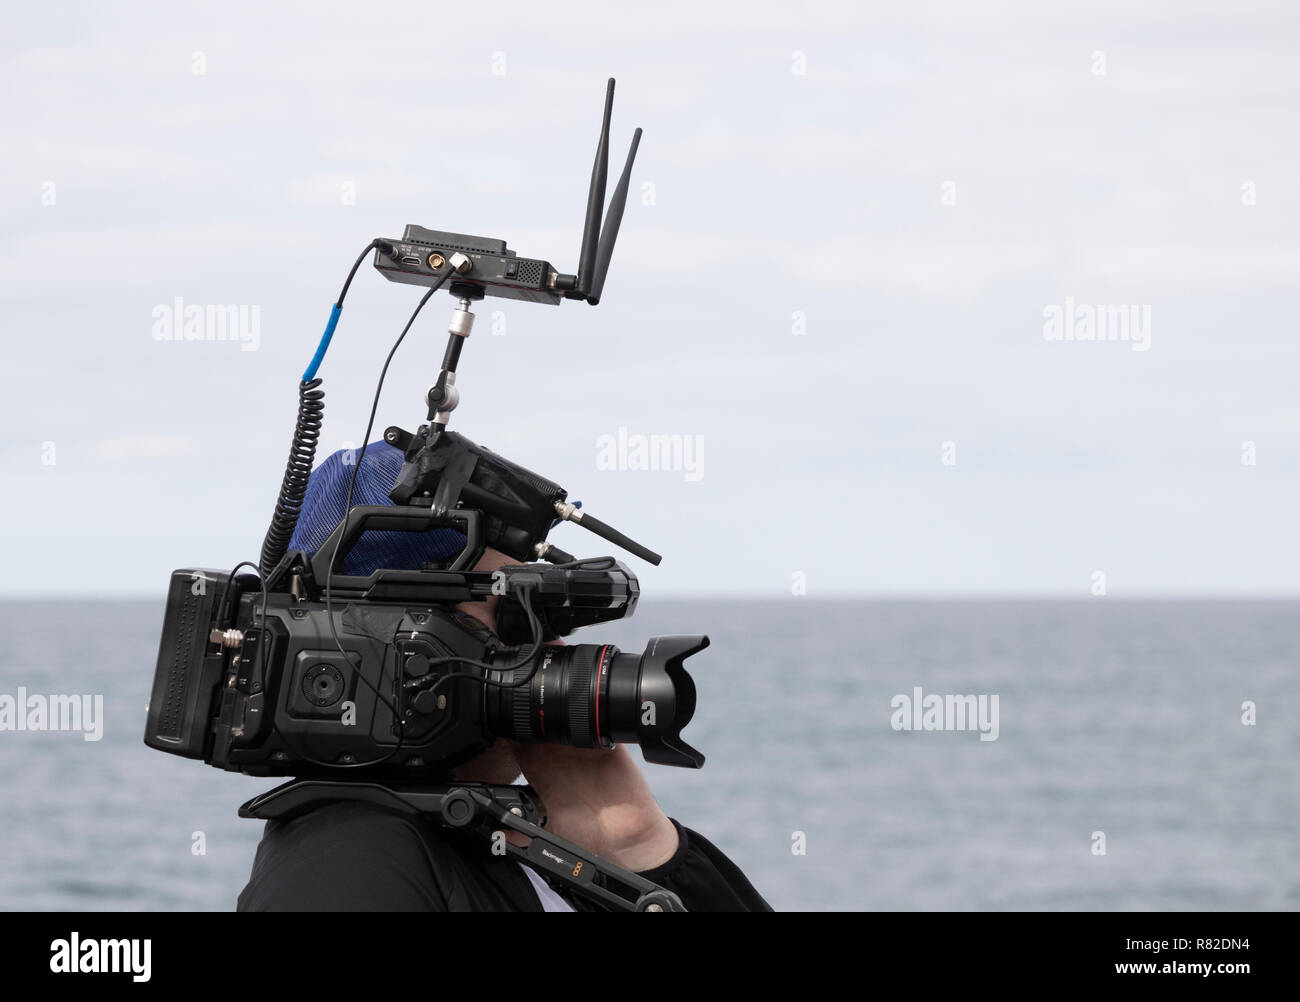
<point>486,809</point>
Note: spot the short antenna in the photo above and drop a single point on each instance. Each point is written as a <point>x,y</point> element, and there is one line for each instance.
<point>609,233</point>
<point>595,200</point>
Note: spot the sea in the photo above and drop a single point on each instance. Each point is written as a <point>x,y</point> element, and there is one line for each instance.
<point>1146,756</point>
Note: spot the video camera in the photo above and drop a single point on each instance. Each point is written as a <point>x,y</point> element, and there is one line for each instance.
<point>376,687</point>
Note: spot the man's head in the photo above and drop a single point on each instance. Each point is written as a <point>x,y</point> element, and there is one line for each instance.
<point>325,500</point>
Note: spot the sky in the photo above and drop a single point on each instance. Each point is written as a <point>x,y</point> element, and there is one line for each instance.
<point>857,238</point>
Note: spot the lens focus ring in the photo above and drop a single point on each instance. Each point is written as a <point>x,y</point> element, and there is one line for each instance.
<point>521,705</point>
<point>580,693</point>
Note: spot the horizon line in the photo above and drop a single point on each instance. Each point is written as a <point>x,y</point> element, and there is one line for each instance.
<point>1152,595</point>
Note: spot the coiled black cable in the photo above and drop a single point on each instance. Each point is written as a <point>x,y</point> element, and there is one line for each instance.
<point>302,453</point>
<point>306,435</point>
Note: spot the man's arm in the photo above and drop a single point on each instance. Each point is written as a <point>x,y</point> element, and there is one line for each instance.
<point>599,799</point>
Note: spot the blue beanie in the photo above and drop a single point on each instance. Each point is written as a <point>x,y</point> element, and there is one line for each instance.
<point>322,510</point>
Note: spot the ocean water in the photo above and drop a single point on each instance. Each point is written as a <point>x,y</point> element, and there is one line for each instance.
<point>1120,717</point>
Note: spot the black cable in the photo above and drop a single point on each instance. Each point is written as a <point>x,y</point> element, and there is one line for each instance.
<point>382,245</point>
<point>588,563</point>
<point>306,436</point>
<point>293,487</point>
<point>347,512</point>
<point>535,646</point>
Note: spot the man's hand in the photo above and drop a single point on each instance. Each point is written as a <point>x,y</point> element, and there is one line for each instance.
<point>595,797</point>
<point>598,798</point>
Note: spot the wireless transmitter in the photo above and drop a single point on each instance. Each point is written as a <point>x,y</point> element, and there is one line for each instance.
<point>423,256</point>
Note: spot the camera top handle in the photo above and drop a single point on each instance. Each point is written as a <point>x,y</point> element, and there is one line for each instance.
<point>395,518</point>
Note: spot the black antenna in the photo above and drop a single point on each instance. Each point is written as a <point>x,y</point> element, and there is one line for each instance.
<point>595,200</point>
<point>609,233</point>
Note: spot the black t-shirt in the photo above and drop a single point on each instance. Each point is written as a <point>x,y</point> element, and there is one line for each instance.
<point>353,856</point>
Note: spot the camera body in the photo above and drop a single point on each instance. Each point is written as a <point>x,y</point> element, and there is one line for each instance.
<point>403,686</point>
<point>286,701</point>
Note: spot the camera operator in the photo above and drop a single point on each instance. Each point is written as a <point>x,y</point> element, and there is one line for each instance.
<point>358,857</point>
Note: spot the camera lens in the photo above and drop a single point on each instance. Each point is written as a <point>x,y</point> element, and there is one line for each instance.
<point>594,695</point>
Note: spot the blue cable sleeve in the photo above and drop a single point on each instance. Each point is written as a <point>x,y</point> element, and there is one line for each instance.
<point>321,348</point>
